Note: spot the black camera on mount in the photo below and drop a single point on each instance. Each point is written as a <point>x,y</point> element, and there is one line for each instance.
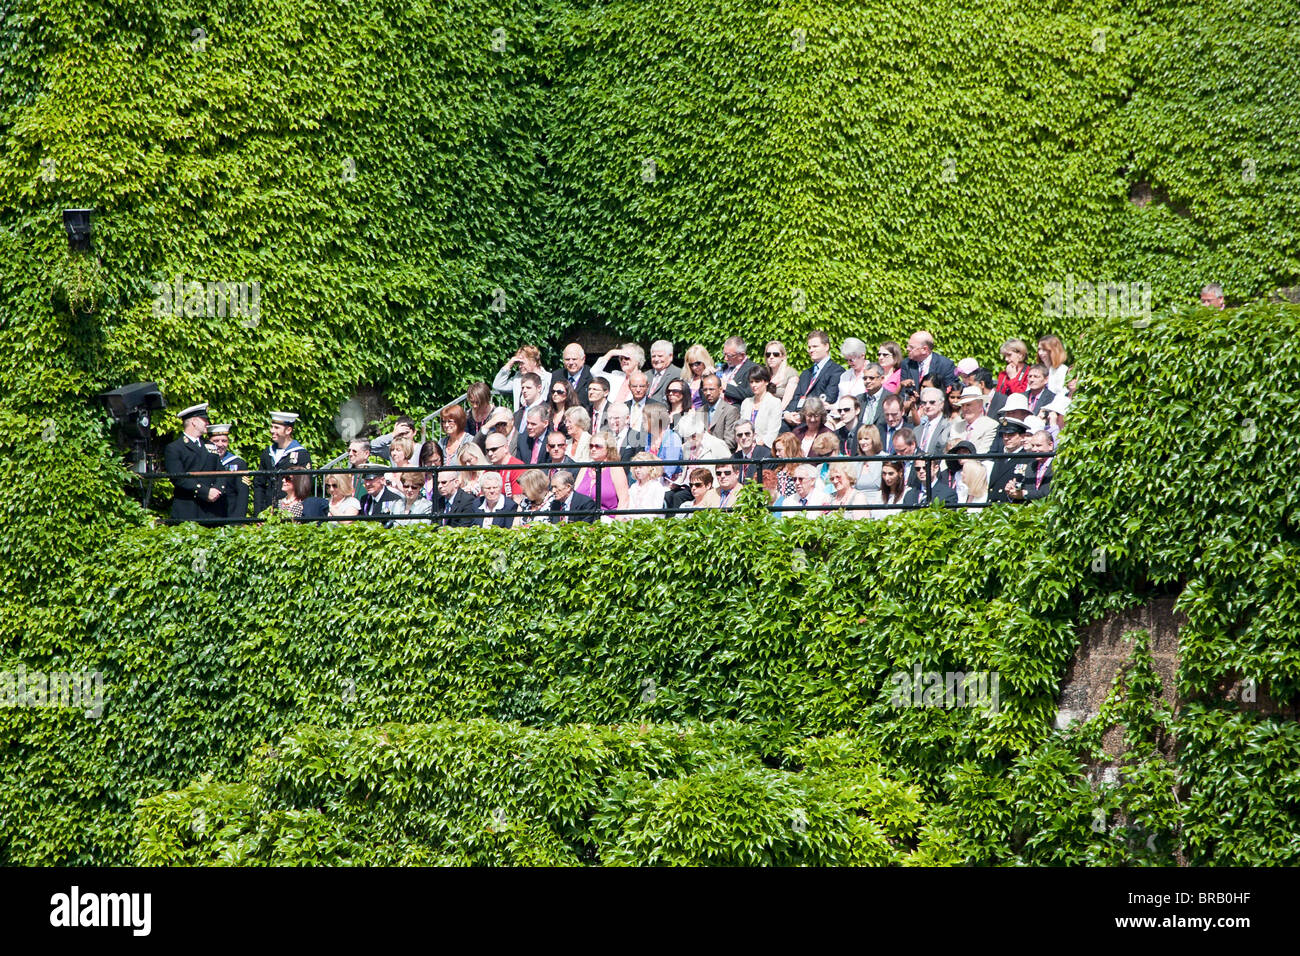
<point>132,408</point>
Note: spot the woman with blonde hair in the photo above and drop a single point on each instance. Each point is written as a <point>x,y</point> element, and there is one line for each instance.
<point>974,486</point>
<point>471,455</point>
<point>342,503</point>
<point>647,489</point>
<point>698,365</point>
<point>613,481</point>
<point>841,476</point>
<point>869,472</point>
<point>1051,354</point>
<point>400,453</point>
<point>535,503</point>
<point>777,360</point>
<point>577,425</point>
<point>1015,377</point>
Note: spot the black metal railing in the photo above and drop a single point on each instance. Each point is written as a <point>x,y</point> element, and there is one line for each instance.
<point>760,466</point>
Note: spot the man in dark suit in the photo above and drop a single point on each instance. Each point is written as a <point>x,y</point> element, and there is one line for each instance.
<point>567,504</point>
<point>556,455</point>
<point>530,397</point>
<point>735,370</point>
<point>1037,394</point>
<point>532,440</point>
<point>494,507</point>
<point>629,440</point>
<point>379,499</point>
<point>1037,483</point>
<point>844,417</point>
<point>919,494</point>
<point>459,507</point>
<point>662,371</point>
<point>283,454</point>
<point>576,372</point>
<point>747,451</point>
<point>822,380</point>
<point>194,497</point>
<point>923,360</point>
<point>892,424</point>
<point>1013,434</point>
<point>598,402</point>
<point>237,485</point>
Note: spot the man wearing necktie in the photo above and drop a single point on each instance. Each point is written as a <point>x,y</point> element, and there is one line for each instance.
<point>566,504</point>
<point>576,371</point>
<point>822,380</point>
<point>199,496</point>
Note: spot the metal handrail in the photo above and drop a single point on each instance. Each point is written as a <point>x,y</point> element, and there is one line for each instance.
<point>435,417</point>
<point>600,466</point>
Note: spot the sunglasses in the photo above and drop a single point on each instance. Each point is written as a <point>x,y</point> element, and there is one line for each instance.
<point>492,448</point>
<point>775,354</point>
<point>698,484</point>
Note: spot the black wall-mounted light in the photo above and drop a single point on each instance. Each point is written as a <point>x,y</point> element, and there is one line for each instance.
<point>76,223</point>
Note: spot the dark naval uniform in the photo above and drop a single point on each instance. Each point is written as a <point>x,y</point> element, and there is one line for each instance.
<point>190,495</point>
<point>237,486</point>
<point>266,488</point>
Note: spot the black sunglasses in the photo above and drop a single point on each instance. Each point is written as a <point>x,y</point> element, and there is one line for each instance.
<point>774,354</point>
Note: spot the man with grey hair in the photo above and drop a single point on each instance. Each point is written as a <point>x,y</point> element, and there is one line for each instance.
<point>664,371</point>
<point>566,504</point>
<point>629,440</point>
<point>532,440</point>
<point>932,429</point>
<point>576,372</point>
<point>872,399</point>
<point>734,371</point>
<point>1212,295</point>
<point>808,491</point>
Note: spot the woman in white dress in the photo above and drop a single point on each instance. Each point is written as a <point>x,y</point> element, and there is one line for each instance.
<point>413,501</point>
<point>841,473</point>
<point>647,490</point>
<point>763,411</point>
<point>341,502</point>
<point>1051,352</point>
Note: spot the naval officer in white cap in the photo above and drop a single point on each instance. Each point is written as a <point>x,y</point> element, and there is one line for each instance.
<point>284,453</point>
<point>194,496</point>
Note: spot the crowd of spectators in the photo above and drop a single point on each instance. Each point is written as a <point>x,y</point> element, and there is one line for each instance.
<point>659,419</point>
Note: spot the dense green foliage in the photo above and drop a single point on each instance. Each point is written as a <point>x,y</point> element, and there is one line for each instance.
<point>687,171</point>
<point>380,175</point>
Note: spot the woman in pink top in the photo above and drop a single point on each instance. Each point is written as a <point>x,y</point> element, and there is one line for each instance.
<point>613,481</point>
<point>891,360</point>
